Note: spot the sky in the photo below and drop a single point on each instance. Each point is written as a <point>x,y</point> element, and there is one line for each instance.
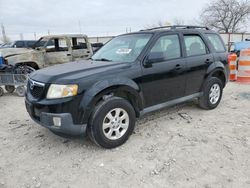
<point>92,17</point>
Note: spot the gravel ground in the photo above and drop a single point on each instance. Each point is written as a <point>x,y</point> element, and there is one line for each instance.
<point>182,146</point>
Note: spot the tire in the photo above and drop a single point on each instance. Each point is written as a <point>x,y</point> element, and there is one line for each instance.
<point>212,93</point>
<point>119,116</point>
<point>9,88</point>
<point>20,90</point>
<point>1,91</point>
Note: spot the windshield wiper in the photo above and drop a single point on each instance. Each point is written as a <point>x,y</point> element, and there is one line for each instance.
<point>102,59</point>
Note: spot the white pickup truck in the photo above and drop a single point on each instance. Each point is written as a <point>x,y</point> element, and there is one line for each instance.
<point>49,50</point>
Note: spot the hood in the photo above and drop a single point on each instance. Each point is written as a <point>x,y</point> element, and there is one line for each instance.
<point>7,52</point>
<point>71,72</point>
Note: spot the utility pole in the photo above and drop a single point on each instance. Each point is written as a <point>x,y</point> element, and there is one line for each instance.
<point>35,35</point>
<point>80,26</point>
<point>4,34</point>
<point>21,36</point>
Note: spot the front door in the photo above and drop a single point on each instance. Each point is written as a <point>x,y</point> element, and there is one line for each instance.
<point>57,51</point>
<point>164,77</point>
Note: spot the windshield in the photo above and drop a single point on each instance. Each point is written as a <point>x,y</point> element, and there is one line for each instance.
<point>124,48</point>
<point>41,43</point>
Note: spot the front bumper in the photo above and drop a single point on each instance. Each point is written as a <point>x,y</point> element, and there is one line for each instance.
<point>45,119</point>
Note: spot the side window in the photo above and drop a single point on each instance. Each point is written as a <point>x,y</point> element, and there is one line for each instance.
<point>79,43</point>
<point>30,44</point>
<point>57,45</point>
<point>19,44</point>
<point>216,42</point>
<point>194,45</point>
<point>166,47</point>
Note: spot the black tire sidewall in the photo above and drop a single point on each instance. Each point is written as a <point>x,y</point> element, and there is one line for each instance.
<point>10,88</point>
<point>98,117</point>
<point>207,87</point>
<point>1,91</point>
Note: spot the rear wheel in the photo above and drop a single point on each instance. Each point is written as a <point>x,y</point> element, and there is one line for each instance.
<point>212,93</point>
<point>112,122</point>
<point>9,88</point>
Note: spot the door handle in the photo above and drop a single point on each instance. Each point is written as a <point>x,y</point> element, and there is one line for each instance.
<point>68,54</point>
<point>178,67</point>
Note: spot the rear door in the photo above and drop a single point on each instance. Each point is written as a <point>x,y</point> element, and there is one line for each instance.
<point>81,48</point>
<point>164,77</point>
<point>199,58</point>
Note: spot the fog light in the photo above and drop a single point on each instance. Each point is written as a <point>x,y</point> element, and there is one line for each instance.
<point>57,121</point>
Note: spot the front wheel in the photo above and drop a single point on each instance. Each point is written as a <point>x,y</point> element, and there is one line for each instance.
<point>212,93</point>
<point>112,122</point>
<point>10,88</point>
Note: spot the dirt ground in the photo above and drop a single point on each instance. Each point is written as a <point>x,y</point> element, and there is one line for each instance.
<point>182,146</point>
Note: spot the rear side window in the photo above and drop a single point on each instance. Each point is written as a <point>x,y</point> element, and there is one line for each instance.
<point>30,43</point>
<point>19,44</point>
<point>79,43</point>
<point>194,45</point>
<point>216,42</point>
<point>167,47</point>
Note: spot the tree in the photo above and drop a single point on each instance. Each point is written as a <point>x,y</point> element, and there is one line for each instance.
<point>226,15</point>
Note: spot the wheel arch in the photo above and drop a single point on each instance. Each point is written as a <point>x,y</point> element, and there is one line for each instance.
<point>123,88</point>
<point>217,70</point>
<point>29,63</point>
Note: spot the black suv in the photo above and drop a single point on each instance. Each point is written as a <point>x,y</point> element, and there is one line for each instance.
<point>131,75</point>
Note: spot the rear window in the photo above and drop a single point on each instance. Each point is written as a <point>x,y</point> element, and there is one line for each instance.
<point>216,41</point>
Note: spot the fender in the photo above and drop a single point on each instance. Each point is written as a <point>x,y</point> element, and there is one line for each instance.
<point>216,67</point>
<point>105,87</point>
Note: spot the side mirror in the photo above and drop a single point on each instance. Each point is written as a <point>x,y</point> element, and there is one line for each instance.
<point>154,57</point>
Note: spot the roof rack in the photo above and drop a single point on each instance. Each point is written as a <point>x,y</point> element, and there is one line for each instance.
<point>177,27</point>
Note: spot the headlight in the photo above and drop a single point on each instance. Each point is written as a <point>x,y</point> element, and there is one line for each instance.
<point>60,91</point>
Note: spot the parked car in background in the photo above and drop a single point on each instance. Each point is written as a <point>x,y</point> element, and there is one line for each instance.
<point>49,50</point>
<point>236,47</point>
<point>19,44</point>
<point>131,75</point>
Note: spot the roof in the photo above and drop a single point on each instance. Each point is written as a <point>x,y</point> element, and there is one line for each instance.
<point>65,35</point>
<point>176,28</point>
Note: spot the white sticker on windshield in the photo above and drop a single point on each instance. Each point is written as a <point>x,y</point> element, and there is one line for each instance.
<point>123,51</point>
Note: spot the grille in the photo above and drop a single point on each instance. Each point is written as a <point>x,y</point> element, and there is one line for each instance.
<point>36,89</point>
